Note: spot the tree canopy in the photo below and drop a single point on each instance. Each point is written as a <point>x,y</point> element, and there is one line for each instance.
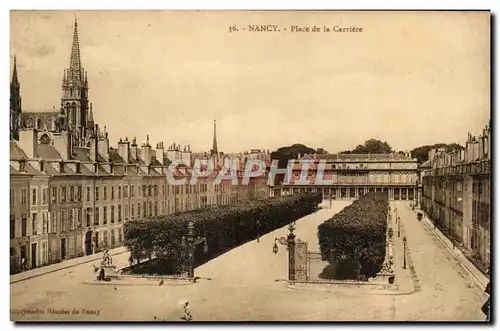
<point>422,153</point>
<point>372,146</point>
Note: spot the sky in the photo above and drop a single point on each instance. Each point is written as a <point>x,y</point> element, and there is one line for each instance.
<point>409,78</point>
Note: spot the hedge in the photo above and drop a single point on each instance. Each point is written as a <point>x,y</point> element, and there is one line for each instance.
<point>354,240</point>
<point>224,227</point>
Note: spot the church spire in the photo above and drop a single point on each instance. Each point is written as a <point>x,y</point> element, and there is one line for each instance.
<point>75,63</point>
<point>214,147</point>
<point>15,80</point>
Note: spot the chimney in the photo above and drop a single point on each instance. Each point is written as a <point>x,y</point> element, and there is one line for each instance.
<point>123,149</point>
<point>103,146</point>
<point>146,152</point>
<point>133,150</point>
<point>28,142</point>
<point>61,167</point>
<point>159,152</point>
<point>93,148</point>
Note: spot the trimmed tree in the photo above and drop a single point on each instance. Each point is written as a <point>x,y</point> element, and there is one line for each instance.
<point>354,239</point>
<point>224,227</point>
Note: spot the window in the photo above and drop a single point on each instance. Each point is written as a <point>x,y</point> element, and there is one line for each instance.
<point>163,189</point>
<point>144,211</point>
<point>71,220</point>
<point>24,226</point>
<point>12,227</point>
<point>132,191</point>
<point>126,212</point>
<point>78,193</point>
<point>71,194</point>
<point>96,193</point>
<point>120,235</point>
<point>33,196</point>
<point>88,193</point>
<point>112,192</point>
<point>44,195</point>
<point>96,216</point>
<point>156,208</point>
<point>78,219</point>
<point>105,193</point>
<point>53,197</point>
<point>125,191</point>
<point>12,197</point>
<point>119,213</point>
<point>112,237</point>
<point>144,190</point>
<point>112,214</point>
<point>105,215</point>
<point>138,210</point>
<point>53,223</point>
<point>87,216</point>
<point>138,190</point>
<point>150,209</point>
<point>45,223</point>
<point>119,192</point>
<point>34,224</point>
<point>24,197</point>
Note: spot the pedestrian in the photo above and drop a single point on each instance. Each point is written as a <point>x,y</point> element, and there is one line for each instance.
<point>23,264</point>
<point>486,308</point>
<point>130,260</point>
<point>187,312</point>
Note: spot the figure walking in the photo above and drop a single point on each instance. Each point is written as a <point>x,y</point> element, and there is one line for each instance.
<point>187,312</point>
<point>486,308</point>
<point>131,260</point>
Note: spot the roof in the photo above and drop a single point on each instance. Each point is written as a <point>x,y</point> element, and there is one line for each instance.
<point>48,152</point>
<point>81,154</point>
<point>16,152</point>
<point>115,157</point>
<point>358,157</point>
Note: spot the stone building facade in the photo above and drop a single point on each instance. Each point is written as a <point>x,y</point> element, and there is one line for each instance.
<point>457,193</point>
<point>349,176</point>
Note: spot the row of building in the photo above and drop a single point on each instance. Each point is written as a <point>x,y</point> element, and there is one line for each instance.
<point>71,193</point>
<point>349,176</point>
<point>456,193</point>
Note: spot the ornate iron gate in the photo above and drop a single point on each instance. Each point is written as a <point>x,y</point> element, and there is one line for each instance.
<point>305,261</point>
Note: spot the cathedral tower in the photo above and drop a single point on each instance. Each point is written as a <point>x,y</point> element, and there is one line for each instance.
<point>15,104</point>
<point>74,101</point>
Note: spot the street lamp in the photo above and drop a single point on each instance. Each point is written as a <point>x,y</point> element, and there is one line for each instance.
<point>399,228</point>
<point>190,242</point>
<point>404,252</point>
<point>258,230</point>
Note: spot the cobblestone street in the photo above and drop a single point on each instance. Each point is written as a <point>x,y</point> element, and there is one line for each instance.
<point>250,290</point>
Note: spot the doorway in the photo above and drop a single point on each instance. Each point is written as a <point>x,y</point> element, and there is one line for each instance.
<point>33,255</point>
<point>88,243</point>
<point>63,248</point>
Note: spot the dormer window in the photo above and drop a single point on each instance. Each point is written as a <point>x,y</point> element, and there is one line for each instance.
<point>22,166</point>
<point>42,166</point>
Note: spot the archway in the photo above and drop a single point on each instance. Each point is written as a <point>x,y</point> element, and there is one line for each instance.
<point>88,243</point>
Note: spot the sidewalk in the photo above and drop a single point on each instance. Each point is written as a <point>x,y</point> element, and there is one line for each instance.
<point>477,276</point>
<point>62,265</point>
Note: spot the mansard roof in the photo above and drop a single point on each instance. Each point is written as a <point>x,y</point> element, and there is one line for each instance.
<point>16,152</point>
<point>48,152</point>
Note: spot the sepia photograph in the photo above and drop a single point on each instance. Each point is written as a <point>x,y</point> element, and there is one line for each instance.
<point>250,166</point>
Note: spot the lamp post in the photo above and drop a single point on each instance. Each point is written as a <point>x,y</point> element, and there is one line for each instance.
<point>404,252</point>
<point>399,228</point>
<point>291,252</point>
<point>191,243</point>
<point>258,230</point>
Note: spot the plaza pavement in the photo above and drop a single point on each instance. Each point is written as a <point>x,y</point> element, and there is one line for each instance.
<point>243,287</point>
